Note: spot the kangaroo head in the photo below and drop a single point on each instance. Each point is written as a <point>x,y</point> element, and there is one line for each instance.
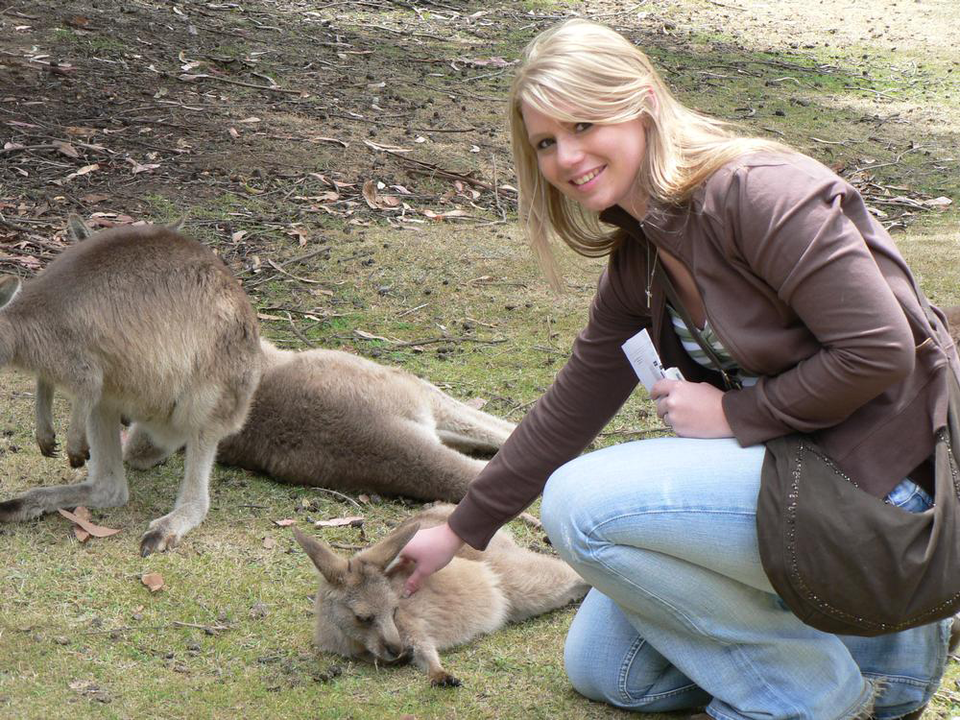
<point>360,596</point>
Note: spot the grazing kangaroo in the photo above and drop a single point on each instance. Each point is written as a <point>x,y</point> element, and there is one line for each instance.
<point>331,419</point>
<point>360,611</point>
<point>138,322</point>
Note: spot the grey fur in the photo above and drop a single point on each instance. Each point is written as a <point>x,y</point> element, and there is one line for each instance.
<point>139,321</point>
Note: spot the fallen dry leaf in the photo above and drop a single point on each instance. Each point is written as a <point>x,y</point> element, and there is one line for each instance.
<point>377,201</point>
<point>269,543</point>
<point>286,522</point>
<point>86,525</point>
<point>139,168</point>
<point>355,521</point>
<point>66,149</point>
<point>154,581</point>
<point>476,403</point>
<point>83,171</point>
<point>443,216</point>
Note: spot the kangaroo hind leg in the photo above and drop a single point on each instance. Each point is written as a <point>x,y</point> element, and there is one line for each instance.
<point>467,429</point>
<point>105,486</point>
<point>193,500</point>
<point>407,458</point>
<point>535,583</point>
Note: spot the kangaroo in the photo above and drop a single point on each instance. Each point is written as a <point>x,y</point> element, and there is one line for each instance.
<point>138,322</point>
<point>360,611</point>
<point>326,418</point>
<point>331,419</point>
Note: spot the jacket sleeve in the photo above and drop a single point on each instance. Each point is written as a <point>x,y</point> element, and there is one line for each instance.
<point>791,224</point>
<point>586,394</point>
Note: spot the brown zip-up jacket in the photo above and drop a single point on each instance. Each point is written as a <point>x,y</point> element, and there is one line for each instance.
<point>804,288</point>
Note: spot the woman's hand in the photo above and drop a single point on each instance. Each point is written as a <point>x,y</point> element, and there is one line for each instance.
<point>431,549</point>
<point>693,410</point>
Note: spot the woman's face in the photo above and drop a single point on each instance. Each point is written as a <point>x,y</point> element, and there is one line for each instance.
<point>596,165</point>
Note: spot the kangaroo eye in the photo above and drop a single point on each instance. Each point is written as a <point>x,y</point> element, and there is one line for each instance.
<point>364,619</point>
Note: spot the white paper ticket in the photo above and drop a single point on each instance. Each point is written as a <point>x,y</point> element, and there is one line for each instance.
<point>646,362</point>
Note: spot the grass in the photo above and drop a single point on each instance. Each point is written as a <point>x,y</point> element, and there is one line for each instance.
<point>80,636</point>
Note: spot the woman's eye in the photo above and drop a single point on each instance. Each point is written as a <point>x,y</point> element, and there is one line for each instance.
<point>581,126</point>
<point>544,144</point>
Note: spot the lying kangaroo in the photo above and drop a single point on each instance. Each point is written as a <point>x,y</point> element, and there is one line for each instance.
<point>141,322</point>
<point>361,614</point>
<point>332,419</point>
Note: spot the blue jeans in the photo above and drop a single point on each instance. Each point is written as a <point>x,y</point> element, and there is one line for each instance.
<point>682,615</point>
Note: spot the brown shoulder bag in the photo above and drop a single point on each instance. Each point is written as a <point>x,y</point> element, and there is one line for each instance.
<point>844,561</point>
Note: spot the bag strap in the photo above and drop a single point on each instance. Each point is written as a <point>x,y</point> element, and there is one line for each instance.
<point>731,383</point>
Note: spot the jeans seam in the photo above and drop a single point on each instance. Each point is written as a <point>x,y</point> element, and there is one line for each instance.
<point>627,696</point>
<point>899,679</point>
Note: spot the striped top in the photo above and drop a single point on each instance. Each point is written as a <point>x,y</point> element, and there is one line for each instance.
<point>693,348</point>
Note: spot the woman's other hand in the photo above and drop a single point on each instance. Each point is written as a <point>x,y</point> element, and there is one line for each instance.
<point>430,549</point>
<point>693,410</point>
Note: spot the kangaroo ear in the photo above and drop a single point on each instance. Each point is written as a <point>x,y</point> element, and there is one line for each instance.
<point>9,287</point>
<point>77,229</point>
<point>177,225</point>
<point>331,566</point>
<point>386,551</point>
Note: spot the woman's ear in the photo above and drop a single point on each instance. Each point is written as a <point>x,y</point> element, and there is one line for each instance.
<point>653,102</point>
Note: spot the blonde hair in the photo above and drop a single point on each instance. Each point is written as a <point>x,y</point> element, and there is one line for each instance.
<point>581,71</point>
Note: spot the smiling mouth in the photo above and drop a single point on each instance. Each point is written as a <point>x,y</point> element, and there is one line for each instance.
<point>584,179</point>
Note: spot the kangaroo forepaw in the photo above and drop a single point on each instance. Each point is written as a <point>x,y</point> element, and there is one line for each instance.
<point>47,445</point>
<point>445,679</point>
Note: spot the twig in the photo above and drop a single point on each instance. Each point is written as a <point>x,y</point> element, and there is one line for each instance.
<point>345,546</point>
<point>413,309</point>
<point>297,332</point>
<point>175,623</point>
<point>280,270</point>
<point>339,495</point>
<point>828,142</point>
<point>244,84</point>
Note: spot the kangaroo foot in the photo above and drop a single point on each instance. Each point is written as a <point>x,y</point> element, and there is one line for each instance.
<point>444,679</point>
<point>18,509</point>
<point>38,501</point>
<point>157,540</point>
<point>166,532</point>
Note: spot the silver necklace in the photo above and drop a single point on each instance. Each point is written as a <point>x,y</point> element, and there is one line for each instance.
<point>651,269</point>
